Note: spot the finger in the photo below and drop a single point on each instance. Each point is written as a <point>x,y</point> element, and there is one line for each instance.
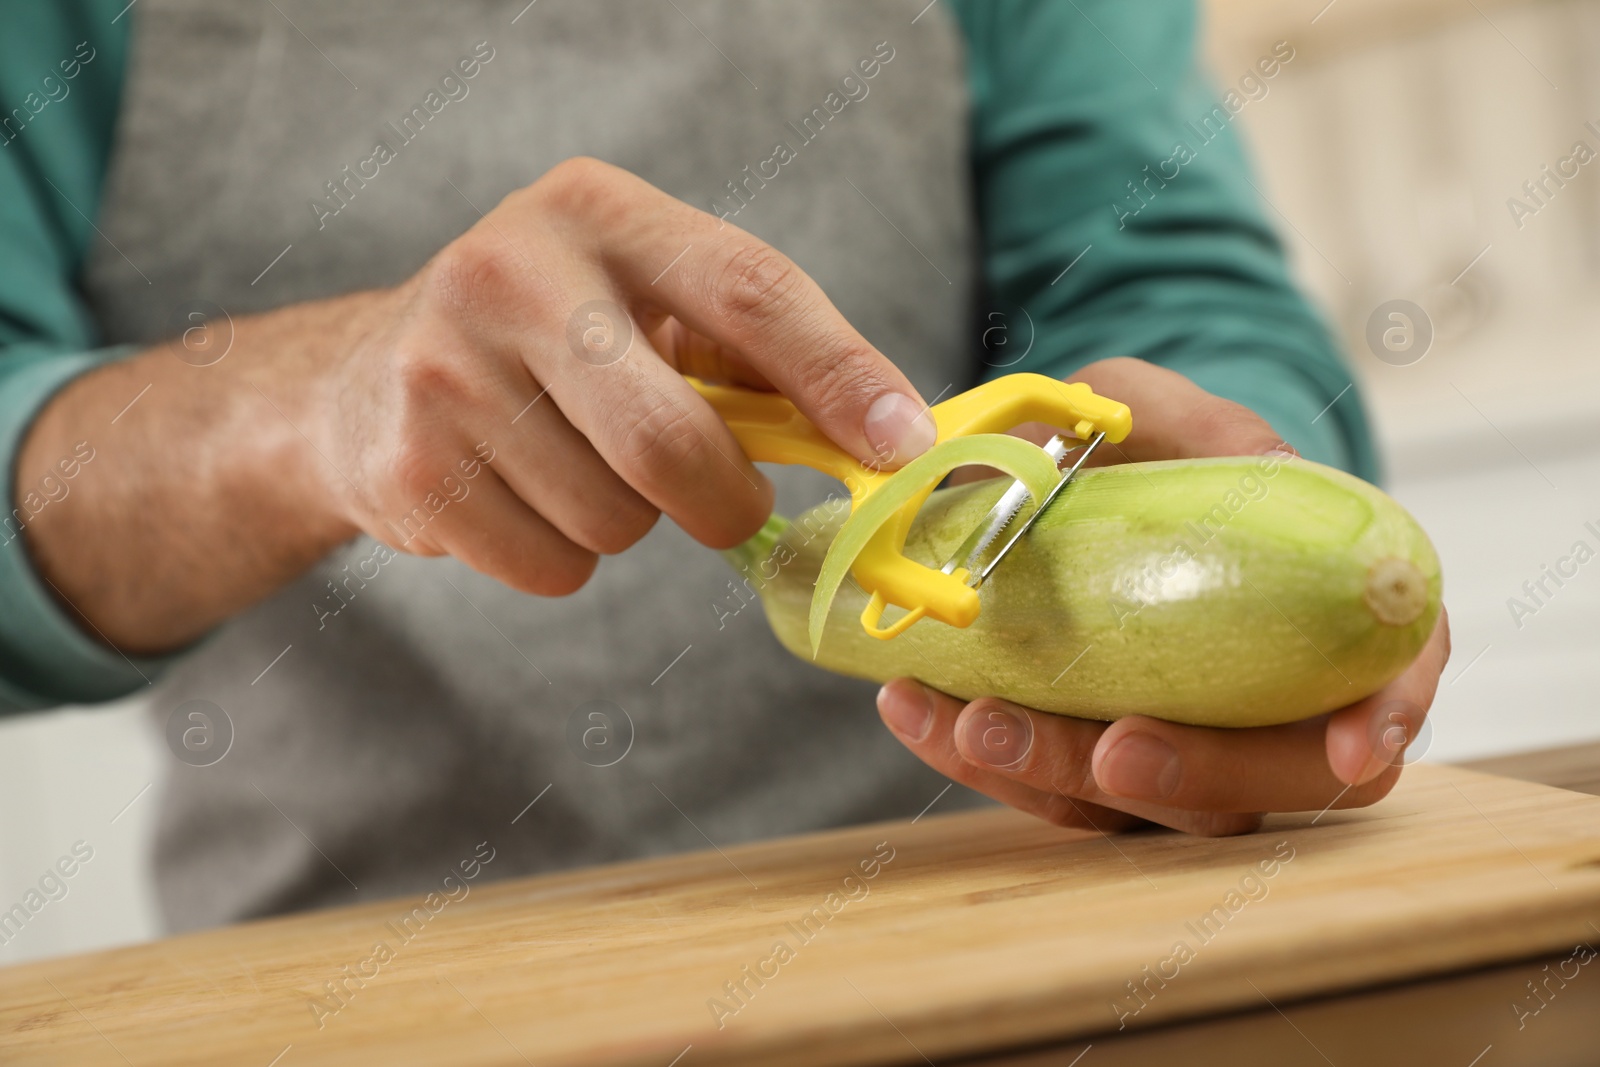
<point>494,532</point>
<point>555,469</point>
<point>1057,752</point>
<point>668,443</point>
<point>1267,768</point>
<point>699,356</point>
<point>1009,752</point>
<point>1175,418</point>
<point>737,290</point>
<point>651,427</point>
<point>1371,735</point>
<point>923,720</point>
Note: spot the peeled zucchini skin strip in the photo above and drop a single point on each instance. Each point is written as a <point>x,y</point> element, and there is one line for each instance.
<point>865,530</point>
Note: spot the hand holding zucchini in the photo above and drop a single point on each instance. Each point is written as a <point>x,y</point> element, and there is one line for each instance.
<point>1240,591</point>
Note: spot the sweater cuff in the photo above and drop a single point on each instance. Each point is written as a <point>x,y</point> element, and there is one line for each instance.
<point>45,658</point>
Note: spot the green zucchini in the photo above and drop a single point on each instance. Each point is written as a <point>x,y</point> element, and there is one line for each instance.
<point>1239,591</point>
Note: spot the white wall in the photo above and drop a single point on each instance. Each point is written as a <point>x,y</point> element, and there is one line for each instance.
<point>87,775</point>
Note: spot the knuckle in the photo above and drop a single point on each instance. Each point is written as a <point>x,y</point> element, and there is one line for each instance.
<point>395,528</point>
<point>659,444</point>
<point>1077,814</point>
<point>756,284</point>
<point>621,528</point>
<point>1121,365</point>
<point>1071,813</point>
<point>579,187</point>
<point>424,380</point>
<point>1110,374</point>
<point>412,502</point>
<point>1064,812</point>
<point>1226,425</point>
<point>1065,757</point>
<point>667,458</point>
<point>474,273</point>
<point>1224,824</point>
<point>840,376</point>
<point>414,471</point>
<point>1072,772</point>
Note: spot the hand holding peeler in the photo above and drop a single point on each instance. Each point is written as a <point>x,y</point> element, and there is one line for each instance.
<point>771,429</point>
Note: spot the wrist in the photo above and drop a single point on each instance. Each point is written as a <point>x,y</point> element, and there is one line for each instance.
<point>316,410</point>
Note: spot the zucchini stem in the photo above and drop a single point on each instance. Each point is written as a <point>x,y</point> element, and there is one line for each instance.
<point>756,550</point>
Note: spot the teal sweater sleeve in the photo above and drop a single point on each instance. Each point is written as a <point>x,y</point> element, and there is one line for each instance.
<point>61,70</point>
<point>1098,146</point>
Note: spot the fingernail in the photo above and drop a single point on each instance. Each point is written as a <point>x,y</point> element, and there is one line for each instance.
<point>1281,450</point>
<point>1139,766</point>
<point>899,429</point>
<point>1389,732</point>
<point>907,709</point>
<point>997,737</point>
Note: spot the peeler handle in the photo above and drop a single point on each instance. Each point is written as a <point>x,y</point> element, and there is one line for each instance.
<point>771,429</point>
<point>1007,402</point>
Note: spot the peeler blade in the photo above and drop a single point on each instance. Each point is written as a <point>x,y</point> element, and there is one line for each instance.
<point>1000,517</point>
<point>971,552</point>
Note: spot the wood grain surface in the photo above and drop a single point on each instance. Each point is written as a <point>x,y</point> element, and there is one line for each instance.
<point>1575,767</point>
<point>975,933</point>
<point>1489,1017</point>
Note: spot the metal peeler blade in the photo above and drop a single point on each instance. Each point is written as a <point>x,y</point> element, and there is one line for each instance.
<point>971,552</point>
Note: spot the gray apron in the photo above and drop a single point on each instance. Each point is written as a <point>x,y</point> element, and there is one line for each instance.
<point>384,742</point>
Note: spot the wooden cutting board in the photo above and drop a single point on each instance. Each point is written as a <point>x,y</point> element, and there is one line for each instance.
<point>900,941</point>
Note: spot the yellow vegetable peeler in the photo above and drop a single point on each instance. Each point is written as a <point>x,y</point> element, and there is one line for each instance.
<point>770,429</point>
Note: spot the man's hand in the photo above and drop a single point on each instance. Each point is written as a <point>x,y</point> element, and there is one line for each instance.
<point>1110,776</point>
<point>519,403</point>
<point>496,321</point>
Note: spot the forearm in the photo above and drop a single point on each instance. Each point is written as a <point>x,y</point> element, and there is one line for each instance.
<point>212,486</point>
<point>202,496</point>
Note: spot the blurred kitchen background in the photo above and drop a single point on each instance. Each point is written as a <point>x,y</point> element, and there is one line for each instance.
<point>1389,148</point>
